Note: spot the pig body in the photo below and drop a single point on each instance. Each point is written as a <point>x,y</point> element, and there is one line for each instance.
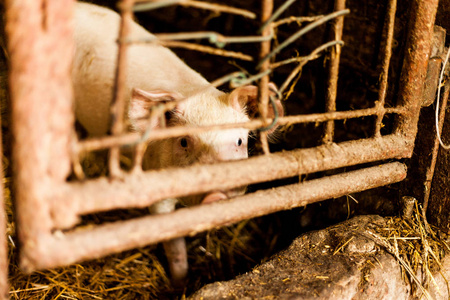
<point>150,67</point>
<point>155,75</point>
<point>158,71</point>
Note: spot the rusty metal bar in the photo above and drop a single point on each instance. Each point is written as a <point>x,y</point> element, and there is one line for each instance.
<point>120,91</point>
<point>4,289</point>
<point>263,88</point>
<point>339,115</point>
<point>213,37</point>
<point>387,53</point>
<point>40,48</point>
<point>143,189</point>
<point>414,68</point>
<point>154,4</point>
<point>119,236</point>
<point>430,170</point>
<point>335,56</point>
<point>206,49</point>
<point>135,138</point>
<point>297,20</point>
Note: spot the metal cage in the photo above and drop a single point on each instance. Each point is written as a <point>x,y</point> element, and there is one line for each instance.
<point>46,149</point>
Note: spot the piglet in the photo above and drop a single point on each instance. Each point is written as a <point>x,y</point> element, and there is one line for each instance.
<point>156,75</point>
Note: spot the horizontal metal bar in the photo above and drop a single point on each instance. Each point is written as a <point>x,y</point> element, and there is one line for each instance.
<point>206,49</point>
<point>213,37</point>
<point>297,20</point>
<point>154,4</point>
<point>130,139</point>
<point>142,189</point>
<point>114,237</point>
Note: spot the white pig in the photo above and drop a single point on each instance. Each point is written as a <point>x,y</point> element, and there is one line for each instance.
<point>156,74</point>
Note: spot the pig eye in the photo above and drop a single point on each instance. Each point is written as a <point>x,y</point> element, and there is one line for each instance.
<point>239,142</point>
<point>183,142</point>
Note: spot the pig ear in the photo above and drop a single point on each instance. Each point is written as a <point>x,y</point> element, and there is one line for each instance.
<point>141,103</point>
<point>246,97</point>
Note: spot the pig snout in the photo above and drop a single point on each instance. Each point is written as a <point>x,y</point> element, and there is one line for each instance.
<point>219,196</point>
<point>213,197</point>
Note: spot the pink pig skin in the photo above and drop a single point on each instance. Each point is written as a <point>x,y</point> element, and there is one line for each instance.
<point>155,75</point>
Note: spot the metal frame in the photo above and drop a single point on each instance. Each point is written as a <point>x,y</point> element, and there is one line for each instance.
<point>45,146</point>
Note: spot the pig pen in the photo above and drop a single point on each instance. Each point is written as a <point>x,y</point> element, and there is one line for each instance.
<point>340,137</point>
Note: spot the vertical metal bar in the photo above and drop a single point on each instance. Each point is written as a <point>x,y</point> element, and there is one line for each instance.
<point>266,12</point>
<point>119,100</point>
<point>430,170</point>
<point>414,68</point>
<point>40,48</point>
<point>389,28</point>
<point>3,244</point>
<point>330,105</point>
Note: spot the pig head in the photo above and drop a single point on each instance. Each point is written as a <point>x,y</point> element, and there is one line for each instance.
<point>208,107</point>
<point>155,75</point>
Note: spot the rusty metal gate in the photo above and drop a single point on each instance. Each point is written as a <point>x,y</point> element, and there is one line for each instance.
<point>46,149</point>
